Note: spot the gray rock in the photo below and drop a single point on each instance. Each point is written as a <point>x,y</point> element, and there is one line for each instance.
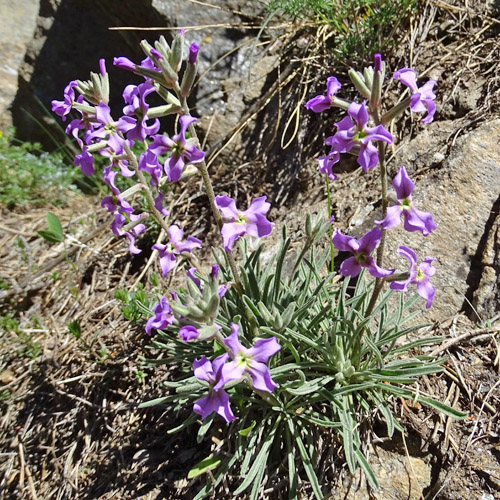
<point>400,478</point>
<point>17,27</point>
<point>462,196</point>
<point>63,40</point>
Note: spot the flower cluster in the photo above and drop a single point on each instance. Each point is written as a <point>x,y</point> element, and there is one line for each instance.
<point>355,135</point>
<point>163,158</point>
<point>218,374</point>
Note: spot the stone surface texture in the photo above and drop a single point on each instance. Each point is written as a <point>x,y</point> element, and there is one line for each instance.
<point>463,196</point>
<point>400,478</point>
<point>18,20</point>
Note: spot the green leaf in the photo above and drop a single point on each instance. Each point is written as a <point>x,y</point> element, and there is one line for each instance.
<point>50,236</point>
<point>256,470</point>
<point>205,465</point>
<point>204,428</point>
<point>306,461</point>
<point>247,430</point>
<point>372,479</point>
<point>347,431</point>
<point>437,405</point>
<point>55,226</point>
<point>153,402</point>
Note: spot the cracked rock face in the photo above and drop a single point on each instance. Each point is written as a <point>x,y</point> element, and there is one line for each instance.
<point>47,43</point>
<point>463,196</point>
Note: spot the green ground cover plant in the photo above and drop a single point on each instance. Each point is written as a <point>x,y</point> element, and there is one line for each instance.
<point>360,27</point>
<point>30,176</point>
<point>283,352</point>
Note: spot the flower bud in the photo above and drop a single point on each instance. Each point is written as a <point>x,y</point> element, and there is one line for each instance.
<point>316,227</point>
<point>193,53</point>
<point>102,67</point>
<point>159,55</point>
<point>368,76</point>
<point>395,111</point>
<point>166,95</point>
<point>359,82</point>
<point>207,333</point>
<point>188,78</point>
<point>175,58</point>
<point>378,78</point>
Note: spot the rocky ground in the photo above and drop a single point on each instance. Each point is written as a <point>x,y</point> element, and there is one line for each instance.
<point>70,427</point>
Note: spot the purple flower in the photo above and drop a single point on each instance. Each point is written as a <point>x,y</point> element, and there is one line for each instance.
<point>181,150</point>
<point>422,98</point>
<point>114,202</point>
<point>352,131</point>
<point>251,361</point>
<point>135,97</point>
<point>193,278</point>
<point>361,250</point>
<point>414,220</point>
<point>218,399</point>
<point>417,276</point>
<point>124,63</point>
<point>188,332</point>
<point>85,161</point>
<point>323,102</point>
<point>62,108</point>
<point>193,53</point>
<point>159,204</point>
<point>120,221</point>
<point>148,162</point>
<point>109,129</point>
<point>147,69</point>
<point>162,318</point>
<point>176,246</point>
<point>327,162</point>
<point>116,157</point>
<point>237,223</point>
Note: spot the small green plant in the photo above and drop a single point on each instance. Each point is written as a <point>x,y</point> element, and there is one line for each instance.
<point>361,26</point>
<point>9,323</point>
<point>135,305</point>
<point>140,375</point>
<point>30,176</point>
<point>75,329</point>
<point>55,233</point>
<point>288,352</point>
<point>5,395</point>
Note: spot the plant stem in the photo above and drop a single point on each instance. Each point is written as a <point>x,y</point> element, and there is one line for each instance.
<point>379,282</point>
<point>133,161</point>
<point>202,168</point>
<point>332,256</point>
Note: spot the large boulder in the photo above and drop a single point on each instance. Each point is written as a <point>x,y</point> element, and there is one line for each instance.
<point>18,21</point>
<point>47,44</point>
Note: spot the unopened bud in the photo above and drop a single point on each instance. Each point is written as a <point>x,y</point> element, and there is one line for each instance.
<point>102,66</point>
<point>359,82</point>
<point>193,53</point>
<point>176,52</point>
<point>188,78</point>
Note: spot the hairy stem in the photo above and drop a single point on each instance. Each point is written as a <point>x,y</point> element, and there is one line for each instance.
<point>202,168</point>
<point>332,259</point>
<point>379,282</point>
<point>151,202</point>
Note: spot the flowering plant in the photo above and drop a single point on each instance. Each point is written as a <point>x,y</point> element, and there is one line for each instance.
<point>284,352</point>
